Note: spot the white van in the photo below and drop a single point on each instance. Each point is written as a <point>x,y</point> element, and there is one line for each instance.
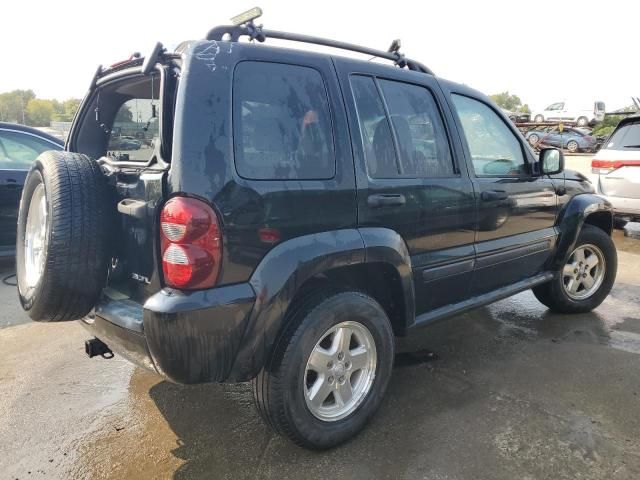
<point>582,113</point>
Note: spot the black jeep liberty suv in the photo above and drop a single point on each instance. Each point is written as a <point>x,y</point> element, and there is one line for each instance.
<point>232,211</point>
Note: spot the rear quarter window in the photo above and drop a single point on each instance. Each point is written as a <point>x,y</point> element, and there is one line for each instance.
<point>626,137</point>
<point>281,122</point>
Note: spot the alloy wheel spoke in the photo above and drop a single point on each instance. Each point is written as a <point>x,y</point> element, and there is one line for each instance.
<point>573,285</point>
<point>343,393</point>
<point>578,255</point>
<point>319,359</point>
<point>588,281</point>
<point>319,391</point>
<point>568,270</point>
<point>358,358</point>
<point>341,339</point>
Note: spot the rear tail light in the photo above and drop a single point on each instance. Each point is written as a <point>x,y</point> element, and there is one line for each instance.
<point>190,244</point>
<point>603,167</point>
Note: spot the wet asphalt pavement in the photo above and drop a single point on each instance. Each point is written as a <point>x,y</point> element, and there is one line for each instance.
<point>511,391</point>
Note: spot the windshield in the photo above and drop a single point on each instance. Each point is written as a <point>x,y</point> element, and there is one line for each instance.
<point>626,137</point>
<point>18,150</point>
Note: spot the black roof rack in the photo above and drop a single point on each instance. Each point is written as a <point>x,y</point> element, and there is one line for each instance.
<point>255,32</point>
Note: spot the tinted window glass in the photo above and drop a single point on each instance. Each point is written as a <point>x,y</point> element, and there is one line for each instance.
<point>422,145</point>
<point>19,150</point>
<point>379,152</point>
<point>494,148</point>
<point>626,137</point>
<point>282,125</point>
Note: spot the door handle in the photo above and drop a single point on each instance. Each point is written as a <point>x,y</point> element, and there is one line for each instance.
<point>386,200</point>
<point>491,195</point>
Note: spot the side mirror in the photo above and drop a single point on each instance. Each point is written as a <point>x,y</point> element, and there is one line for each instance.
<point>551,161</point>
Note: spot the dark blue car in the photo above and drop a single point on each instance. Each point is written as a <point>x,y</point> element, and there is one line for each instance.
<point>19,147</point>
<point>572,139</point>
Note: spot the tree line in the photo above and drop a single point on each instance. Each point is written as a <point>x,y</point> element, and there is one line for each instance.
<point>22,106</point>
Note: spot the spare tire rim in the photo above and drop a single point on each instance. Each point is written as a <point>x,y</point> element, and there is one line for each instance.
<point>584,272</point>
<point>340,371</point>
<point>35,237</point>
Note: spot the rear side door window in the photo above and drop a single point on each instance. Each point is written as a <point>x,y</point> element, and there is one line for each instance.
<point>422,144</point>
<point>417,147</point>
<point>282,123</point>
<point>494,148</point>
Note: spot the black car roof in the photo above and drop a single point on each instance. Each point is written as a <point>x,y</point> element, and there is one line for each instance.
<point>30,130</point>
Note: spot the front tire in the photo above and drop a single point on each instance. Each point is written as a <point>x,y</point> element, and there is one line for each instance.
<point>538,119</point>
<point>587,276</point>
<point>329,370</point>
<point>583,121</point>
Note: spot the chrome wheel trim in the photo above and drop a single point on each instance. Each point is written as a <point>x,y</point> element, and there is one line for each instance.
<point>35,237</point>
<point>533,139</point>
<point>340,371</point>
<point>575,146</point>
<point>584,272</point>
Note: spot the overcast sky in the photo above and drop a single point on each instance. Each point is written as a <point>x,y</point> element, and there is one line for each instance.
<point>543,51</point>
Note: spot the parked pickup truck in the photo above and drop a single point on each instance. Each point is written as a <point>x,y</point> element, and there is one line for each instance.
<point>297,212</point>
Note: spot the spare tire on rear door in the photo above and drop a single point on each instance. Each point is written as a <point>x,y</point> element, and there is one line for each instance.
<point>62,249</point>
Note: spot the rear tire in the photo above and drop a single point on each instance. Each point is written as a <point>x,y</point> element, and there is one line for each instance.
<point>538,119</point>
<point>533,139</point>
<point>572,146</point>
<point>64,277</point>
<point>562,295</point>
<point>582,121</point>
<point>283,389</point>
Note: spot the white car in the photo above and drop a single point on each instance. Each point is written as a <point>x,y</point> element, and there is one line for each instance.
<point>616,168</point>
<point>581,113</point>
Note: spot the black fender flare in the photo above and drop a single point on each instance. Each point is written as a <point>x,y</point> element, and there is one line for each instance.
<point>571,219</point>
<point>289,265</point>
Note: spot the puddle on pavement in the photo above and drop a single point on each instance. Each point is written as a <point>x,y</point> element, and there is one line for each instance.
<point>625,341</point>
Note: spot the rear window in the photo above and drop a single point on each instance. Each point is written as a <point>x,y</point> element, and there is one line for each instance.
<point>626,137</point>
<point>282,124</point>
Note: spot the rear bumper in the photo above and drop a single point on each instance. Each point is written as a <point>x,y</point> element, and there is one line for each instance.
<point>625,206</point>
<point>187,337</point>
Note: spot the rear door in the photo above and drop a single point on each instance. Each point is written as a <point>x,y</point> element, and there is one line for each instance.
<point>516,210</point>
<point>408,175</point>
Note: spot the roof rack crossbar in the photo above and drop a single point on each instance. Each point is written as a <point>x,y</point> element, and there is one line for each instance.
<point>254,32</point>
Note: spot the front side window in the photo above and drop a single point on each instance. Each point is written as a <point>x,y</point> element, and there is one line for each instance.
<point>19,150</point>
<point>494,148</point>
<point>282,124</point>
<point>555,106</point>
